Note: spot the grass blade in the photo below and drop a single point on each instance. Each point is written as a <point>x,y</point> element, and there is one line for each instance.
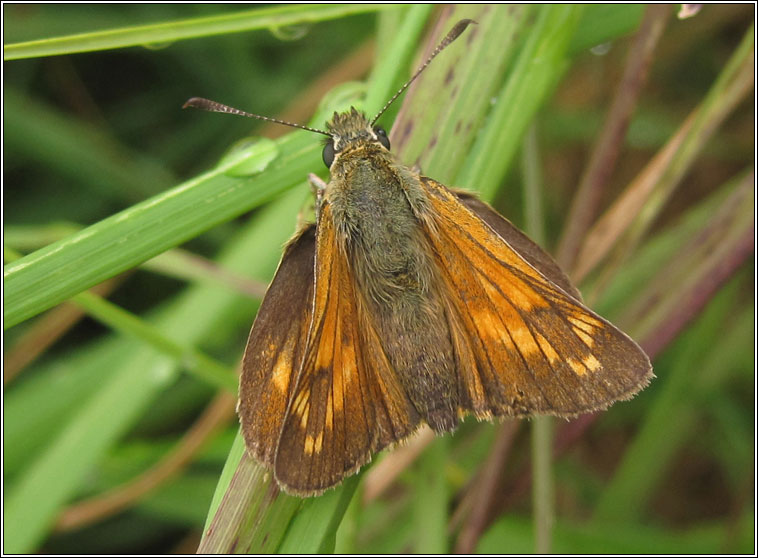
<point>54,273</point>
<point>185,29</point>
<point>541,62</point>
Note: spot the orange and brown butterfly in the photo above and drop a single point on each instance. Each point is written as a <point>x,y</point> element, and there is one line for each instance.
<point>410,303</point>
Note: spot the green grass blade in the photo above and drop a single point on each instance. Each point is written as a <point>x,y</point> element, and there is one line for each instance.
<point>431,500</point>
<point>480,61</point>
<point>57,272</point>
<point>206,368</point>
<point>314,528</point>
<point>144,35</point>
<point>84,146</point>
<point>694,267</point>
<point>605,22</point>
<point>622,226</point>
<point>55,391</point>
<point>385,75</point>
<point>700,265</point>
<point>541,427</point>
<point>249,515</point>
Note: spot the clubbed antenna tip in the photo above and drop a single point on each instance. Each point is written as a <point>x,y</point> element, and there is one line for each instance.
<point>213,106</point>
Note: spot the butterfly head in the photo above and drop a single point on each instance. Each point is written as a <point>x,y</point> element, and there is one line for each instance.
<point>351,130</point>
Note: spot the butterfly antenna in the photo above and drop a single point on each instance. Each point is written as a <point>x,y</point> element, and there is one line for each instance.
<point>454,33</point>
<point>213,106</point>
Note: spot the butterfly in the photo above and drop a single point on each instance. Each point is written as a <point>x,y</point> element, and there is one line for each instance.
<point>406,303</point>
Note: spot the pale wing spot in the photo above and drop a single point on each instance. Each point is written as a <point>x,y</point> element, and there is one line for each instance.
<point>589,341</point>
<point>524,297</point>
<point>473,381</point>
<point>507,328</point>
<point>324,358</point>
<point>592,364</point>
<point>580,324</point>
<point>476,390</point>
<point>489,324</point>
<point>299,401</point>
<point>319,443</point>
<point>524,340</point>
<point>478,395</point>
<point>304,416</point>
<point>325,348</point>
<point>309,445</point>
<point>281,374</point>
<point>548,349</point>
<point>585,322</point>
<point>516,326</point>
<point>329,413</point>
<point>521,299</point>
<point>577,367</point>
<point>337,392</point>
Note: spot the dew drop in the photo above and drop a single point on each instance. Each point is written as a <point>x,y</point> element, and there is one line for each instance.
<point>602,49</point>
<point>290,32</point>
<point>249,156</point>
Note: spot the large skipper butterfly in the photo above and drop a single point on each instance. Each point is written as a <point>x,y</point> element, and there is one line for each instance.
<point>409,303</point>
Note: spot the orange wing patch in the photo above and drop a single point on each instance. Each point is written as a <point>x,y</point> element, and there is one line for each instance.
<point>347,402</point>
<point>523,345</point>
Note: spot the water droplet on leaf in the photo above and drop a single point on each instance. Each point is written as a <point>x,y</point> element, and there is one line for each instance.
<point>290,32</point>
<point>249,156</point>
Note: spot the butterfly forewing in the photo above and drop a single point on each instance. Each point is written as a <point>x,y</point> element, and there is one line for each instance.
<point>347,403</point>
<point>524,346</point>
<point>525,246</point>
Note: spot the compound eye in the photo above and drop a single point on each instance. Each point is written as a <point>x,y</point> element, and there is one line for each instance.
<point>382,137</point>
<point>328,154</point>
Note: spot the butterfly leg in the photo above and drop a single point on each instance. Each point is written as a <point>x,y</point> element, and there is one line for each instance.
<point>318,186</point>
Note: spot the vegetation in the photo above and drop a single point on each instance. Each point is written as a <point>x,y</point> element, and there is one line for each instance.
<point>119,425</point>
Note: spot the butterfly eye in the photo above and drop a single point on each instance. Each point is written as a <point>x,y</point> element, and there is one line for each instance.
<point>381,135</point>
<point>328,154</point>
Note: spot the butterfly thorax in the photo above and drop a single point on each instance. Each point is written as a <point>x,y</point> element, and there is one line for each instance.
<point>377,205</point>
<point>375,215</point>
<point>376,227</point>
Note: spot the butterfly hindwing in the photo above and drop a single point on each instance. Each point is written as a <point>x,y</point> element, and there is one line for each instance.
<point>347,403</point>
<point>523,345</point>
<point>275,348</point>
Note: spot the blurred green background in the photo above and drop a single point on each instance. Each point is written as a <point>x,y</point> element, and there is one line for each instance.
<point>89,408</point>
